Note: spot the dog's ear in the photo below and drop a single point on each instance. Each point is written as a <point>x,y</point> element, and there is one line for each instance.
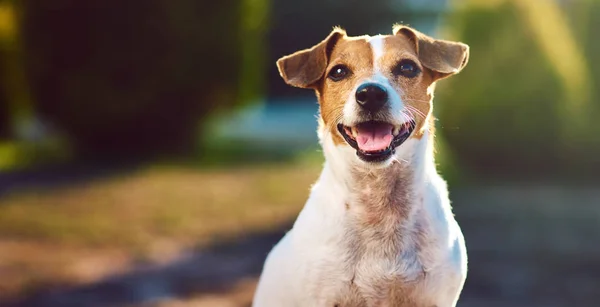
<point>305,67</point>
<point>444,58</point>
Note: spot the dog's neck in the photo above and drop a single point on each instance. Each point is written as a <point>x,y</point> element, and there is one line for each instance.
<point>387,195</point>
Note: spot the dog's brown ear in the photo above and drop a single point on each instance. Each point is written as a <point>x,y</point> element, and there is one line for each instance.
<point>444,58</point>
<point>305,67</point>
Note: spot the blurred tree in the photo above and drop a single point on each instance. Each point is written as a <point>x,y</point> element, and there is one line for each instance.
<point>15,102</point>
<point>585,18</point>
<point>517,108</point>
<point>5,114</point>
<point>131,77</point>
<point>5,117</point>
<point>254,51</point>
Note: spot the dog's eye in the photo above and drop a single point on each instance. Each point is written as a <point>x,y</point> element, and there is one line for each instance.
<point>406,68</point>
<point>338,72</point>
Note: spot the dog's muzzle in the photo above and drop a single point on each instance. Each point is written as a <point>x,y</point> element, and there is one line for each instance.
<point>376,141</point>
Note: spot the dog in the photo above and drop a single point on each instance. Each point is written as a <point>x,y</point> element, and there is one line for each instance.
<point>378,228</point>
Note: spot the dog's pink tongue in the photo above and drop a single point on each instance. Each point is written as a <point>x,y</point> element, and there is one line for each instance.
<point>374,136</point>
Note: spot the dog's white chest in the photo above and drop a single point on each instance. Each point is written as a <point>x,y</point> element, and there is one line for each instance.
<point>345,276</point>
<point>382,274</point>
<point>391,241</point>
<point>382,281</point>
<point>324,262</point>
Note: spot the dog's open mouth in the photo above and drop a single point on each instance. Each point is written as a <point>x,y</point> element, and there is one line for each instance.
<point>376,141</point>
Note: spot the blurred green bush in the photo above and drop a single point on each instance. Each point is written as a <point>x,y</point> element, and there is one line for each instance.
<point>523,106</point>
<point>4,116</point>
<point>124,78</point>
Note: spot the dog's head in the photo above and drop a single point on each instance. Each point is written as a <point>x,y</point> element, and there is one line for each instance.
<point>374,92</point>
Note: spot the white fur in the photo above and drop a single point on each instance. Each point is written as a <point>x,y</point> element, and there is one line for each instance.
<point>377,47</point>
<point>395,101</point>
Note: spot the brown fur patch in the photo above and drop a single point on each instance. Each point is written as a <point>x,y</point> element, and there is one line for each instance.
<point>415,92</point>
<point>304,68</point>
<point>444,58</point>
<point>357,55</point>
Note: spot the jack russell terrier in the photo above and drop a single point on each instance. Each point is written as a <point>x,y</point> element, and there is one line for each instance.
<point>377,229</point>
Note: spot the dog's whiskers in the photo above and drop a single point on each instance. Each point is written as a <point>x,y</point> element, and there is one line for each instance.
<point>412,110</point>
<point>416,110</point>
<point>407,117</point>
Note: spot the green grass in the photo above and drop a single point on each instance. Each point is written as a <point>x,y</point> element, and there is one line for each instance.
<point>16,155</point>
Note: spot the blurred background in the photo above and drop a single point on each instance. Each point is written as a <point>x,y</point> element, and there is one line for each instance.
<point>150,155</point>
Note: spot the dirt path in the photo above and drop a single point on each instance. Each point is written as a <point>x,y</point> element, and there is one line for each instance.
<point>225,272</point>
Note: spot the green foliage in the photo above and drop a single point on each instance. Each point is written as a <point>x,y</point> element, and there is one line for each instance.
<point>15,103</point>
<point>253,40</point>
<point>15,155</point>
<point>124,77</point>
<point>507,112</point>
<point>4,116</point>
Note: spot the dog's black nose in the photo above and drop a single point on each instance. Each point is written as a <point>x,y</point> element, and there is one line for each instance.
<point>371,96</point>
